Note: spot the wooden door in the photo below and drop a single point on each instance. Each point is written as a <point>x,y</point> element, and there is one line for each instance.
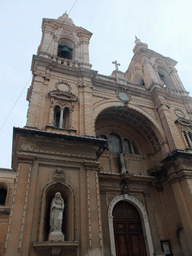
<point>129,239</point>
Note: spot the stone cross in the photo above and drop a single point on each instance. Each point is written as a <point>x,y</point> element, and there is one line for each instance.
<point>116,64</point>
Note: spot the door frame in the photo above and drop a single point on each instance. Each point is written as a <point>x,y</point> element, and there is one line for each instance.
<point>144,221</point>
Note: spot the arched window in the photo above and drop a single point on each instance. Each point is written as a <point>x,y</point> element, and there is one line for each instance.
<point>3,194</point>
<point>114,142</point>
<point>65,48</point>
<point>57,116</point>
<point>127,146</point>
<point>61,117</point>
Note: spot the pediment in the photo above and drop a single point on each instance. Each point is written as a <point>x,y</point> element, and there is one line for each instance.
<point>63,96</point>
<point>183,122</point>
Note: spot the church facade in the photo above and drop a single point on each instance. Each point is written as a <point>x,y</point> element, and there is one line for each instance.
<point>115,150</point>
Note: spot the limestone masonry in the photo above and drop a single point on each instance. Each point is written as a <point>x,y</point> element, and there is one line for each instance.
<point>116,150</point>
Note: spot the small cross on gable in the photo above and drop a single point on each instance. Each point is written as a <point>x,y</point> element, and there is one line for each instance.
<point>116,64</point>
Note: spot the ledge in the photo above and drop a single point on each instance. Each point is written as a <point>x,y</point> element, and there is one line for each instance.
<point>56,247</point>
<point>177,154</point>
<point>127,176</point>
<point>4,210</point>
<point>31,131</point>
<point>68,131</point>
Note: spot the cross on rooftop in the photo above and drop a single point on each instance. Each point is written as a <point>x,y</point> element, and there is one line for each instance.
<point>116,64</point>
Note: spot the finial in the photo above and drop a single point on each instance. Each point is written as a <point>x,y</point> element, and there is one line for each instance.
<point>137,40</point>
<point>66,12</point>
<point>116,64</point>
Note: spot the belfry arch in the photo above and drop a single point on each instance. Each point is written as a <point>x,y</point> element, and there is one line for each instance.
<point>144,221</point>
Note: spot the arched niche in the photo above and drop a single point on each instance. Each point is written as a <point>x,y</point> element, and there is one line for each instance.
<point>47,197</point>
<point>3,193</point>
<point>144,221</point>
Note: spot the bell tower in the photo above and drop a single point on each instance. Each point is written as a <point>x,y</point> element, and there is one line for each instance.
<point>150,68</point>
<point>59,69</point>
<point>61,39</point>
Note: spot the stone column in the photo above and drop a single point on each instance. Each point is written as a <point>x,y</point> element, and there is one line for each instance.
<point>61,117</point>
<point>71,125</point>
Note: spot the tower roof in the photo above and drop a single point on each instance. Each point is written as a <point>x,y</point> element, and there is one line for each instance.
<point>66,18</point>
<point>139,45</point>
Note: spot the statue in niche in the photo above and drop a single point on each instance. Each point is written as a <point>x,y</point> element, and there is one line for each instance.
<point>56,218</point>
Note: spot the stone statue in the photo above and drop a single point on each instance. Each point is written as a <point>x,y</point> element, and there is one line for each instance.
<point>122,161</point>
<point>56,218</point>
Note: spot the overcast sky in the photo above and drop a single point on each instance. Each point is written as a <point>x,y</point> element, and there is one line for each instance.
<point>165,25</point>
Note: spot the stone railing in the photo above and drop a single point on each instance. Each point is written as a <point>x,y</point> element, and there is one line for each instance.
<point>66,62</point>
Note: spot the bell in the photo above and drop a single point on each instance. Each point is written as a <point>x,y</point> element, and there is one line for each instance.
<point>65,52</point>
<point>65,49</point>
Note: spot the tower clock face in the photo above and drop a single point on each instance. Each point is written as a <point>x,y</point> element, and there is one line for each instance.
<point>124,96</point>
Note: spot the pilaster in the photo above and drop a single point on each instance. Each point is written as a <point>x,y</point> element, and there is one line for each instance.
<point>18,217</point>
<point>94,209</point>
<point>35,101</point>
<point>154,230</point>
<point>163,107</point>
<point>180,176</point>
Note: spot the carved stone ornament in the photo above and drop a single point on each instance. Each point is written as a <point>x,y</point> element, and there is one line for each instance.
<point>63,86</point>
<point>123,95</point>
<point>183,122</point>
<point>59,175</point>
<point>58,95</point>
<point>179,113</point>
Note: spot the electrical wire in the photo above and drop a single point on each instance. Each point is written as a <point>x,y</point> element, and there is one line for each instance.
<point>36,69</point>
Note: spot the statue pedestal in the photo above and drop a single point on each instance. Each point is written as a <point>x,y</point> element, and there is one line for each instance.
<point>56,236</point>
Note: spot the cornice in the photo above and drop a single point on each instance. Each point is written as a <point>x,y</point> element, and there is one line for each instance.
<point>75,69</point>
<point>58,24</point>
<point>44,134</point>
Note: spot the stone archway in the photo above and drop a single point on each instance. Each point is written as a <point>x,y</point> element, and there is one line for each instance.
<point>144,220</point>
<point>136,122</point>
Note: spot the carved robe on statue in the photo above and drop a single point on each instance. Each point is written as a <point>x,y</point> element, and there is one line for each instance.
<point>56,213</point>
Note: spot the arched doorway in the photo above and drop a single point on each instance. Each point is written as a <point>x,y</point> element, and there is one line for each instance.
<point>129,240</point>
<point>143,218</point>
